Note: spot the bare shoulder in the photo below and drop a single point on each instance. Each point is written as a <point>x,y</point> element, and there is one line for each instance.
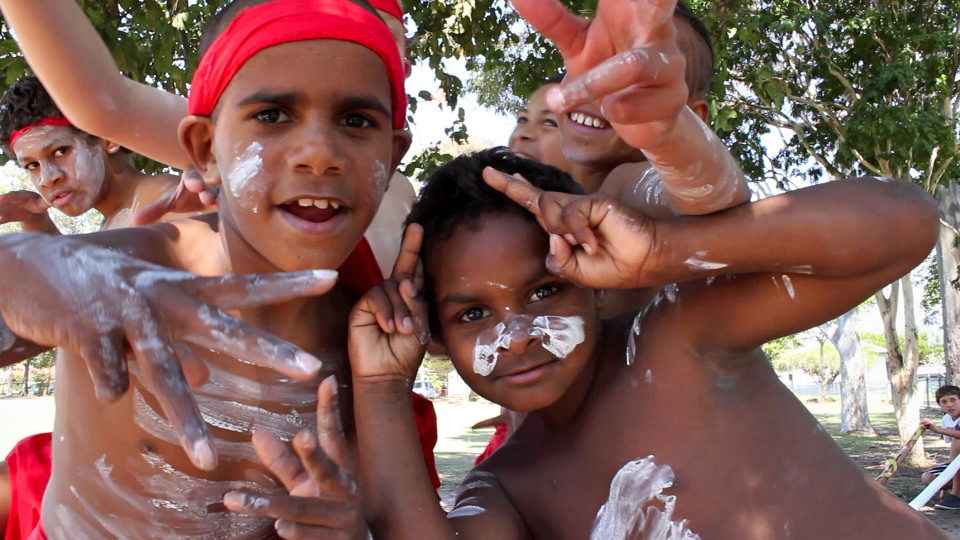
<point>151,186</point>
<point>484,511</point>
<point>638,186</point>
<point>174,244</point>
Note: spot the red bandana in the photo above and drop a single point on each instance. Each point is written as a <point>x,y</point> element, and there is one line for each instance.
<point>392,7</point>
<point>45,122</point>
<point>283,21</point>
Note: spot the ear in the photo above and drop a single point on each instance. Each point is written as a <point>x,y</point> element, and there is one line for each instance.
<point>401,143</point>
<point>196,138</point>
<point>109,146</point>
<point>600,299</point>
<point>702,109</point>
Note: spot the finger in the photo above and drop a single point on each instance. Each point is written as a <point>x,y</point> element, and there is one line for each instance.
<point>313,512</point>
<point>417,306</point>
<point>654,14</point>
<point>253,290</point>
<point>164,378</point>
<point>154,211</point>
<point>522,193</point>
<point>209,197</point>
<point>406,265</point>
<point>292,530</point>
<point>194,369</point>
<point>107,364</point>
<point>402,319</point>
<point>637,66</point>
<point>552,20</point>
<point>325,473</point>
<point>636,106</point>
<point>552,205</point>
<point>212,328</point>
<point>279,459</point>
<point>580,219</point>
<point>330,434</point>
<point>192,181</point>
<point>560,261</point>
<point>377,303</point>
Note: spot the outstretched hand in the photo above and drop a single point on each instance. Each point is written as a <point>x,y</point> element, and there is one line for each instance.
<point>626,58</point>
<point>110,308</point>
<point>190,195</point>
<point>323,496</point>
<point>388,326</point>
<point>594,240</point>
<point>27,208</point>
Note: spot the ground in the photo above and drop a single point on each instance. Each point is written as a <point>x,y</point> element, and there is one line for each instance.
<point>459,445</point>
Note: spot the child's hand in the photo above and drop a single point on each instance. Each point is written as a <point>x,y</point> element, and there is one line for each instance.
<point>190,195</point>
<point>111,309</point>
<point>927,424</point>
<point>626,57</point>
<point>28,208</point>
<point>323,498</point>
<point>388,327</point>
<point>594,240</point>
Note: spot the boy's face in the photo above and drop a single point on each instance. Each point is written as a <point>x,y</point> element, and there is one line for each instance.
<point>66,167</point>
<point>950,405</point>
<point>537,135</point>
<point>589,140</point>
<point>302,139</point>
<point>492,282</point>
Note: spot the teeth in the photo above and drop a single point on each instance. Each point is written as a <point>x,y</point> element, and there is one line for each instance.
<point>585,120</point>
<point>305,202</point>
<point>321,204</point>
<point>334,205</point>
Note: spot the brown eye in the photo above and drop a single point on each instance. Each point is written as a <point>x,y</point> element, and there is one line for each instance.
<point>473,314</point>
<point>543,292</point>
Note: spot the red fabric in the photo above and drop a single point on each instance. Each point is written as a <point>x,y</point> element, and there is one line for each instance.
<point>499,437</point>
<point>426,417</point>
<point>361,271</point>
<point>282,21</point>
<point>29,465</point>
<point>392,7</point>
<point>45,122</point>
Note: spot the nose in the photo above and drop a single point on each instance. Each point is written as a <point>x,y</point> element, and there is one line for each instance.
<point>315,149</point>
<point>50,174</point>
<point>517,335</point>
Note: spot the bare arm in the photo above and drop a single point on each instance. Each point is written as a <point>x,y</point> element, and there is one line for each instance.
<point>77,69</point>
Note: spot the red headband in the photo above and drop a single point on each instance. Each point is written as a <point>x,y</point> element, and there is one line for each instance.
<point>392,7</point>
<point>49,121</point>
<point>283,21</point>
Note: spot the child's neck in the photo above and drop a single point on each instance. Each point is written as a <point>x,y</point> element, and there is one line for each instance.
<point>120,188</point>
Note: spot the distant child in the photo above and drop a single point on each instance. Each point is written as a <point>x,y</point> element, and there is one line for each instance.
<point>304,159</point>
<point>948,397</point>
<point>73,171</point>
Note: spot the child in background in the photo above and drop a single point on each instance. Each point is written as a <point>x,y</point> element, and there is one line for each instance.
<point>304,161</point>
<point>73,171</point>
<point>948,397</point>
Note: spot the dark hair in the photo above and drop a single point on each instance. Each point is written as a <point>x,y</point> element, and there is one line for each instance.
<point>25,103</point>
<point>219,22</point>
<point>455,195</point>
<point>700,55</point>
<point>947,390</point>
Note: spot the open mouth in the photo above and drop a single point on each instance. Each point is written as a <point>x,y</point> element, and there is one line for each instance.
<point>61,198</point>
<point>313,210</point>
<point>588,121</point>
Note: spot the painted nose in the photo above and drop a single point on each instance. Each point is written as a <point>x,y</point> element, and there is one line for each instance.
<point>50,174</point>
<point>315,149</point>
<point>517,334</point>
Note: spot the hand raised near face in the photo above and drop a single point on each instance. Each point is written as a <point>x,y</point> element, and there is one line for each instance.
<point>626,58</point>
<point>388,327</point>
<point>27,208</point>
<point>323,496</point>
<point>594,240</point>
<point>190,195</point>
<point>110,308</point>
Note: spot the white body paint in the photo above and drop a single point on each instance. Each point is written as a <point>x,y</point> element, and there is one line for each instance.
<point>466,510</point>
<point>559,335</point>
<point>637,508</point>
<point>789,285</point>
<point>632,339</point>
<point>244,169</point>
<point>697,262</point>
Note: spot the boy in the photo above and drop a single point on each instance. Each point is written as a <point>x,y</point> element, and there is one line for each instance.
<point>73,171</point>
<point>602,394</point>
<point>278,135</point>
<point>948,397</point>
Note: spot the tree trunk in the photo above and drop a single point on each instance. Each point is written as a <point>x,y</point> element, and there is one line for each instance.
<point>907,407</point>
<point>853,381</point>
<point>26,378</point>
<point>948,259</point>
<point>823,377</point>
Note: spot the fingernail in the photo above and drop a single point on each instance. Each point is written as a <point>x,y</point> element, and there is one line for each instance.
<point>325,275</point>
<point>336,385</point>
<point>552,265</point>
<point>589,249</point>
<point>407,323</point>
<point>234,499</point>
<point>308,363</point>
<point>411,290</point>
<point>203,455</point>
<point>554,244</point>
<point>304,439</point>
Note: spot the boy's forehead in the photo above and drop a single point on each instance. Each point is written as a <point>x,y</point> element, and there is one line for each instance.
<point>41,138</point>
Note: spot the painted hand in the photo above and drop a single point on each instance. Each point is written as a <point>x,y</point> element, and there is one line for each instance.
<point>191,195</point>
<point>388,327</point>
<point>595,241</point>
<point>110,308</point>
<point>27,208</point>
<point>626,58</point>
<point>323,496</point>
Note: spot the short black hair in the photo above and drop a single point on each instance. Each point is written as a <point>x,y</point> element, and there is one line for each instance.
<point>947,390</point>
<point>219,22</point>
<point>455,195</point>
<point>698,51</point>
<point>25,103</point>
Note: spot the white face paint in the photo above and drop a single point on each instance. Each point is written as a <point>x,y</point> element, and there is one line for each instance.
<point>633,508</point>
<point>698,262</point>
<point>559,335</point>
<point>244,169</point>
<point>382,179</point>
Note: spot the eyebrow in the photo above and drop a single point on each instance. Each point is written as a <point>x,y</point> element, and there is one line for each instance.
<point>288,98</point>
<point>55,142</point>
<point>267,96</point>
<point>365,101</point>
<point>470,297</point>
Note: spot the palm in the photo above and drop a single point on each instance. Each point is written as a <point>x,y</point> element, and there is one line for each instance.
<point>21,206</point>
<point>381,352</point>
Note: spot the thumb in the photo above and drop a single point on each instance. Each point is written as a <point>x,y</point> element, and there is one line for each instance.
<point>152,212</point>
<point>561,260</point>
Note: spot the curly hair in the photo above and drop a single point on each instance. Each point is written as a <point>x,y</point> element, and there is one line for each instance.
<point>25,103</point>
<point>455,195</point>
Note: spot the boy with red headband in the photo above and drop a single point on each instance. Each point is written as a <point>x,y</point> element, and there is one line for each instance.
<point>304,161</point>
<point>73,171</point>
